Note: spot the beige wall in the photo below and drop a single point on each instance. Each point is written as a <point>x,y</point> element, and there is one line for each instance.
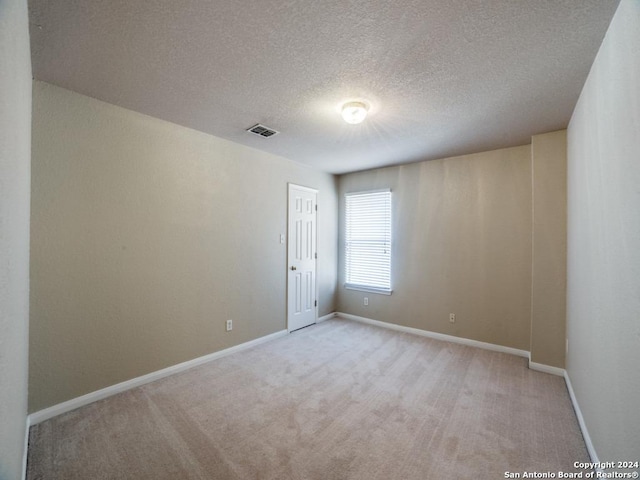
<point>603,275</point>
<point>462,244</point>
<point>549,268</point>
<point>146,237</point>
<point>15,147</point>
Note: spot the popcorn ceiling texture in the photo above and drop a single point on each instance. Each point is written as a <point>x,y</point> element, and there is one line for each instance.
<point>444,77</point>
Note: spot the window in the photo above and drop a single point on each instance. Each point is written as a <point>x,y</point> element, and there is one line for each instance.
<point>368,241</point>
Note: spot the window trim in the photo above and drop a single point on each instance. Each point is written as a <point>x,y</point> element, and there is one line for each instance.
<point>368,288</point>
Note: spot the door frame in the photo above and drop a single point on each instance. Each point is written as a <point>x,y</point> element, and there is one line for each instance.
<point>287,260</point>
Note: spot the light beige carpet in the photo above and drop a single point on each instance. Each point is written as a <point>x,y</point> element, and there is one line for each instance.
<point>339,400</point>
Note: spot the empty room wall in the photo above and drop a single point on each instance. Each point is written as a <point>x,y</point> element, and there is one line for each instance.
<point>146,237</point>
<point>15,147</point>
<point>603,273</point>
<point>549,262</point>
<point>462,244</point>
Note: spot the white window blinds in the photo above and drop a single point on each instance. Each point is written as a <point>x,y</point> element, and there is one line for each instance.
<point>368,241</point>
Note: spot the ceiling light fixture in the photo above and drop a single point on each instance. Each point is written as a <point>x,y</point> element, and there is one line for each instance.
<point>354,112</point>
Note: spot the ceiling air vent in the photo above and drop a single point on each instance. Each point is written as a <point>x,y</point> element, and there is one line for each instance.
<point>262,131</point>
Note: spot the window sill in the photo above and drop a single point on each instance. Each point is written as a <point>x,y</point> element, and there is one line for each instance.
<point>362,288</point>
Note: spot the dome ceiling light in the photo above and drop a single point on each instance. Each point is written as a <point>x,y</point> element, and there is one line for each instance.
<point>354,112</point>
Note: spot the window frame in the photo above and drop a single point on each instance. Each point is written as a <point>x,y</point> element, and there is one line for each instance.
<point>387,234</point>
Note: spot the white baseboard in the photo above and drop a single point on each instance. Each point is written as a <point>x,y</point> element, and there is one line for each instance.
<point>541,367</point>
<point>437,336</point>
<point>326,317</point>
<point>74,403</point>
<point>583,425</point>
<point>26,448</point>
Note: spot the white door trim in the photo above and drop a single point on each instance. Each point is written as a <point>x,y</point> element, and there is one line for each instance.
<point>301,187</point>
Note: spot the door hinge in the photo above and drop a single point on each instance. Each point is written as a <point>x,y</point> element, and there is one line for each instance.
<point>315,303</point>
<point>316,255</point>
<point>316,207</point>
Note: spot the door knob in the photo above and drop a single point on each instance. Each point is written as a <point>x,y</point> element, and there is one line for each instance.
<point>293,267</point>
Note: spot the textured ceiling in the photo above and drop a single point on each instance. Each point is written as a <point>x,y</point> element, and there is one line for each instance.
<point>444,77</point>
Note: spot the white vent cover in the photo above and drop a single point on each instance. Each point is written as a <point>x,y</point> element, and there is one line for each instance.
<point>262,131</point>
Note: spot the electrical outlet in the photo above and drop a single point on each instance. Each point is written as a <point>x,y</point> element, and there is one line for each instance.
<point>229,325</point>
<point>366,301</point>
<point>452,317</point>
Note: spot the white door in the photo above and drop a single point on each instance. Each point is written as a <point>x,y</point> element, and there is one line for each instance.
<point>301,257</point>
